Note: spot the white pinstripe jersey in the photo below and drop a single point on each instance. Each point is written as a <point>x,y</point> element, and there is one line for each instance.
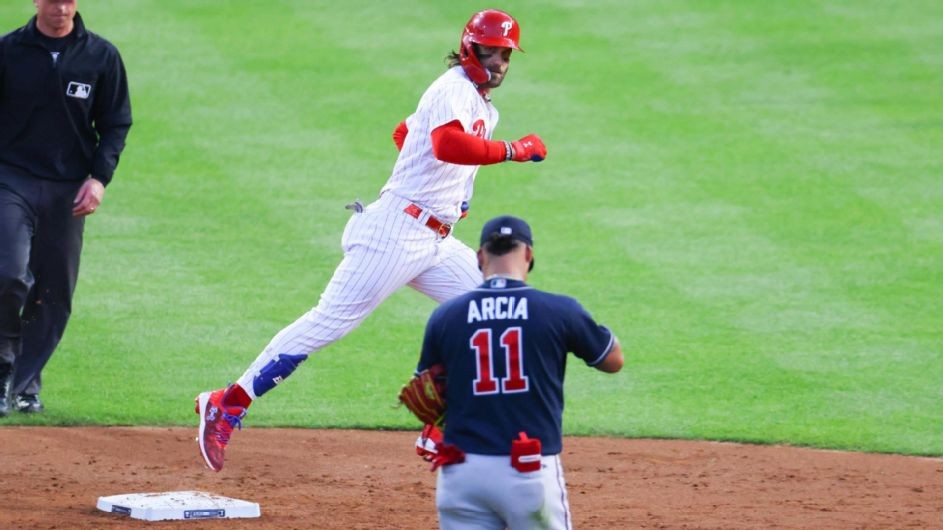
<point>418,175</point>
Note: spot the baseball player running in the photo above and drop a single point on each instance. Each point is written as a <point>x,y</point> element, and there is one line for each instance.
<point>503,347</point>
<point>403,238</point>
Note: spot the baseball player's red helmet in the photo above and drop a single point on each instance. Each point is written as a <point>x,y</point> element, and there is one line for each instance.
<point>490,27</point>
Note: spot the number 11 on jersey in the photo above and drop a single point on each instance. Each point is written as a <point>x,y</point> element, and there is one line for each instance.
<point>512,342</point>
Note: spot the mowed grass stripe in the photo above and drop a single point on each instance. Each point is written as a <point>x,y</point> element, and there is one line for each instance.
<point>715,290</point>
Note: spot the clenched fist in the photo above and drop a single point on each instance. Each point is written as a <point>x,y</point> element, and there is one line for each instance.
<point>530,147</point>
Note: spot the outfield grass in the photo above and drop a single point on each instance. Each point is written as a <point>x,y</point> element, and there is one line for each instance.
<point>749,193</point>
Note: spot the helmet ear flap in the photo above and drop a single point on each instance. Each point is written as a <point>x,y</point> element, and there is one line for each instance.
<point>470,63</point>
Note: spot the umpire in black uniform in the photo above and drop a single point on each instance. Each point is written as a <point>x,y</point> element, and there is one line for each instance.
<point>64,116</point>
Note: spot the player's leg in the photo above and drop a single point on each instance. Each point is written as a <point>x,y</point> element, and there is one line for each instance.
<point>355,290</point>
<point>557,503</point>
<point>459,500</point>
<point>383,251</point>
<point>454,272</point>
<point>16,232</point>
<point>54,262</point>
<point>518,498</point>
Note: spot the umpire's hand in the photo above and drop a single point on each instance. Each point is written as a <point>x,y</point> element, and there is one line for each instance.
<point>88,198</point>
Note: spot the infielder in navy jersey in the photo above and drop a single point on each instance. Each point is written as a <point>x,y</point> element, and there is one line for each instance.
<point>504,347</point>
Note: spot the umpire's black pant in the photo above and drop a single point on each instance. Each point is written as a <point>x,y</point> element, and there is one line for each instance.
<point>40,245</point>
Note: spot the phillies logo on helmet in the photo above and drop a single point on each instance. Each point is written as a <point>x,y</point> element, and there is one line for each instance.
<point>507,25</point>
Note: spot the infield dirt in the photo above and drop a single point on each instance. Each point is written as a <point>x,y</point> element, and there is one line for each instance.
<point>51,478</point>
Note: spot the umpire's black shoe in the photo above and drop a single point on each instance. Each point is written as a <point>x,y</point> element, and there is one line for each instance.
<point>6,384</point>
<point>28,404</point>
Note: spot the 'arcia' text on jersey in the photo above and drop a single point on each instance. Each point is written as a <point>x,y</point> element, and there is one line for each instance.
<point>497,308</point>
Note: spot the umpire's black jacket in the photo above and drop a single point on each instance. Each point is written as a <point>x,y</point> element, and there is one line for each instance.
<point>64,118</point>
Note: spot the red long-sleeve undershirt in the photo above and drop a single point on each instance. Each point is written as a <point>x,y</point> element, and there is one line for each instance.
<point>450,143</point>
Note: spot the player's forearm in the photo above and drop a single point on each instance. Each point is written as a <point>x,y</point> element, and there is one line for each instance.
<point>614,360</point>
<point>450,143</point>
<point>109,150</point>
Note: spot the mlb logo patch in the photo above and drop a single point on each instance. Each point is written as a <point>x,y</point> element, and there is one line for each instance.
<point>78,90</point>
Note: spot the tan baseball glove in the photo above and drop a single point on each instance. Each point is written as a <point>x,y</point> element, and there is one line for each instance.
<point>424,395</point>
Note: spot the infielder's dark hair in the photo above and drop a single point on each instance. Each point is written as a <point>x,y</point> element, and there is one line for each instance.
<point>499,245</point>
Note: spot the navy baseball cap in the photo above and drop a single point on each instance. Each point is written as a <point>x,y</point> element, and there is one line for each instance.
<point>507,226</point>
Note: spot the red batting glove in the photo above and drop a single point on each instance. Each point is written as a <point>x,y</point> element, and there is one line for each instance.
<point>530,147</point>
<point>427,441</point>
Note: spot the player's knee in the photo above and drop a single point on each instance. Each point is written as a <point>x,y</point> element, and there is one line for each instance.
<point>14,284</point>
<point>275,372</point>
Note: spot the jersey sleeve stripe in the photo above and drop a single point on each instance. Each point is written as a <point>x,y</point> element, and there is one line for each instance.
<point>605,353</point>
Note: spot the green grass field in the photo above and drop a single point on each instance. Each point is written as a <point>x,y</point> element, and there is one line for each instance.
<point>749,193</point>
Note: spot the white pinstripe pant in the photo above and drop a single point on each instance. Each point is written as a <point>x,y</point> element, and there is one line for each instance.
<point>384,249</point>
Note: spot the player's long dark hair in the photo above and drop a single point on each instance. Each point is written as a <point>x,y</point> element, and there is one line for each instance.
<point>453,59</point>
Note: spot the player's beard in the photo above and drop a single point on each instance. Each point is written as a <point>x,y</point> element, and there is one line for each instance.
<point>496,79</point>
